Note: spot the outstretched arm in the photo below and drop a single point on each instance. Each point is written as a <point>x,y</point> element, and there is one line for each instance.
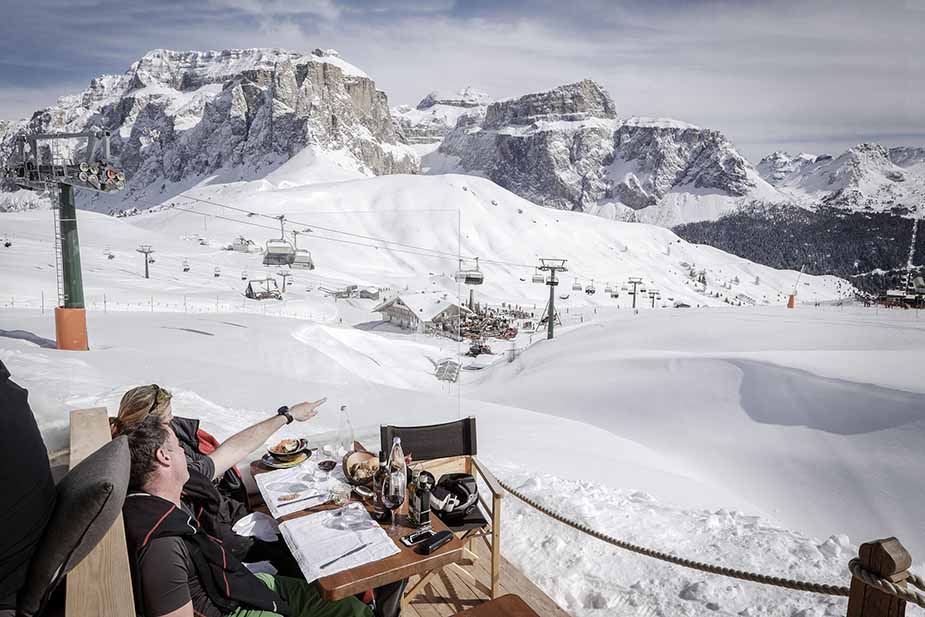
<point>235,448</point>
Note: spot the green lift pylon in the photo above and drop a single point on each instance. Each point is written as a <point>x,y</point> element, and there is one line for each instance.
<point>41,168</point>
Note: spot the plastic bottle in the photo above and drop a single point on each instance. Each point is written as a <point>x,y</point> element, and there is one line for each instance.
<point>345,433</point>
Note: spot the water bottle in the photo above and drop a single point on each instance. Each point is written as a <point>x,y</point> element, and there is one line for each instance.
<point>345,433</point>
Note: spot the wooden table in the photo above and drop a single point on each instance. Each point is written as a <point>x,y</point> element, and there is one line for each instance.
<point>402,565</point>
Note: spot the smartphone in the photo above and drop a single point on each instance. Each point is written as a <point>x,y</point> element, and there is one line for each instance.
<point>418,536</point>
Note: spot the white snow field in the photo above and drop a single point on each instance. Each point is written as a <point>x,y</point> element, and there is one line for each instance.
<point>757,437</point>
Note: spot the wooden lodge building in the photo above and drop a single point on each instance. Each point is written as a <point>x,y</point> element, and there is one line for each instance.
<point>428,312</point>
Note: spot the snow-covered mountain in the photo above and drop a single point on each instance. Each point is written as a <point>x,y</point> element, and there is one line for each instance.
<point>437,114</point>
<point>567,149</point>
<point>179,117</point>
<point>867,177</point>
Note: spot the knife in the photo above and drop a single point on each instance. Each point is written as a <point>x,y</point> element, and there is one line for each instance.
<point>347,554</point>
<point>286,503</point>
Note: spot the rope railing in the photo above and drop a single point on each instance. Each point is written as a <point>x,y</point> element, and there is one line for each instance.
<point>764,579</point>
<point>887,586</point>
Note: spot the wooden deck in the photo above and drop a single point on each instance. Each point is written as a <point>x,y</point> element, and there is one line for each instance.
<point>449,593</point>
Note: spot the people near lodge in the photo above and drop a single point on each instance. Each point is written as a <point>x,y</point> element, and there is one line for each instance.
<point>180,571</point>
<point>214,493</point>
<point>28,495</point>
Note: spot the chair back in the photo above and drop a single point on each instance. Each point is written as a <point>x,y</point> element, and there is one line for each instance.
<point>425,443</point>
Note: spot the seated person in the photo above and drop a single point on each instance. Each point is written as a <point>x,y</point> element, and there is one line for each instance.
<point>28,495</point>
<point>180,571</point>
<point>219,510</point>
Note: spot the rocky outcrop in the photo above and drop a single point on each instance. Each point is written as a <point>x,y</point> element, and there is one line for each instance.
<point>179,116</point>
<point>867,177</point>
<point>438,113</point>
<point>566,149</point>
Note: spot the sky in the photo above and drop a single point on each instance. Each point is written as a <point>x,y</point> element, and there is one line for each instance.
<point>814,76</point>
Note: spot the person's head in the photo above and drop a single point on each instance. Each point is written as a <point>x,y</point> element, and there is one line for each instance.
<point>158,460</point>
<point>140,403</point>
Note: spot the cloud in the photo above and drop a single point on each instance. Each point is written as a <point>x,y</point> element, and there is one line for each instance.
<point>766,73</point>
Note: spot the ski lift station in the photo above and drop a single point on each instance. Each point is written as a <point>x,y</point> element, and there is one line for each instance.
<point>423,312</point>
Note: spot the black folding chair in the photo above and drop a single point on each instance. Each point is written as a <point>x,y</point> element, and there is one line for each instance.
<point>452,448</point>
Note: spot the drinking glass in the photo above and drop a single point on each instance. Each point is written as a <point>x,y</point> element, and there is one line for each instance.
<point>327,462</point>
<point>394,488</point>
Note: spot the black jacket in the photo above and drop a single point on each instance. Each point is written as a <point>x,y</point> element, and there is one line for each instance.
<point>215,513</point>
<point>187,430</point>
<point>224,578</point>
<point>28,495</point>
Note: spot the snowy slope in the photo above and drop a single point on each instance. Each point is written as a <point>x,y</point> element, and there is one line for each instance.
<point>419,217</point>
<point>615,462</point>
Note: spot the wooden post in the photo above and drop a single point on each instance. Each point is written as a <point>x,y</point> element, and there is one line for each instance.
<point>890,560</point>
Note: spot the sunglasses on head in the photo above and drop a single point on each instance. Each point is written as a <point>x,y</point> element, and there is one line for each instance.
<point>157,391</point>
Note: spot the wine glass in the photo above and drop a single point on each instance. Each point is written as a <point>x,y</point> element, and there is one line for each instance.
<point>394,487</point>
<point>327,463</point>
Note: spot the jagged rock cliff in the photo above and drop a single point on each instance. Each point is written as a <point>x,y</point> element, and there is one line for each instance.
<point>565,148</point>
<point>178,117</point>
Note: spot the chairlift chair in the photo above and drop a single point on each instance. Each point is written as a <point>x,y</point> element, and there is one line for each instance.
<point>186,265</point>
<point>302,260</point>
<point>538,277</point>
<point>608,289</point>
<point>218,272</point>
<point>150,260</point>
<point>471,276</point>
<point>278,253</point>
<point>576,286</point>
<point>590,290</point>
<point>243,275</point>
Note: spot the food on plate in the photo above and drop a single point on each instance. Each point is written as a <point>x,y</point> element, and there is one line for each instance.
<point>288,497</point>
<point>286,446</point>
<point>360,466</point>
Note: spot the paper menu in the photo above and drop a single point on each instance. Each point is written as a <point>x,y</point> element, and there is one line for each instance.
<point>314,542</point>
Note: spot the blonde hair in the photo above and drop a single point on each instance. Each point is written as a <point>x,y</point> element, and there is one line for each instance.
<point>139,403</point>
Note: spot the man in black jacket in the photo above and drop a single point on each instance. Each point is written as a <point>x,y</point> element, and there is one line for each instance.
<point>28,495</point>
<point>180,571</point>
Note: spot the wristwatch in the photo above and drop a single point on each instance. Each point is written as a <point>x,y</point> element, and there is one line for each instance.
<point>284,411</point>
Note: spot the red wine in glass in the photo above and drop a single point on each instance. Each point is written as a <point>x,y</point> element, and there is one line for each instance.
<point>393,496</point>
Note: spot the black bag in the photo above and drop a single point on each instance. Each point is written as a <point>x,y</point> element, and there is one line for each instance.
<point>454,496</point>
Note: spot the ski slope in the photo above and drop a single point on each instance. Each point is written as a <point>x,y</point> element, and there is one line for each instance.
<point>401,233</point>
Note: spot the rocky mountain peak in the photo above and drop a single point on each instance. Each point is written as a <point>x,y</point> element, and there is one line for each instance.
<point>467,97</point>
<point>578,101</point>
<point>179,115</point>
<point>438,113</point>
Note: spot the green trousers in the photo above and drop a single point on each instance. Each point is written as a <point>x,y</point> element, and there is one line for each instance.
<point>305,600</point>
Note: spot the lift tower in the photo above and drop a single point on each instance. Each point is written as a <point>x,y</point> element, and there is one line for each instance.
<point>553,266</point>
<point>38,165</point>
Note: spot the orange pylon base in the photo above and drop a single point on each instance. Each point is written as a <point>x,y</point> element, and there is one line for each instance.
<point>71,328</point>
<point>792,302</point>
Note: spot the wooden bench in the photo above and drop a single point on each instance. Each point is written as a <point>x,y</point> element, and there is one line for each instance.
<point>101,585</point>
<point>505,606</point>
